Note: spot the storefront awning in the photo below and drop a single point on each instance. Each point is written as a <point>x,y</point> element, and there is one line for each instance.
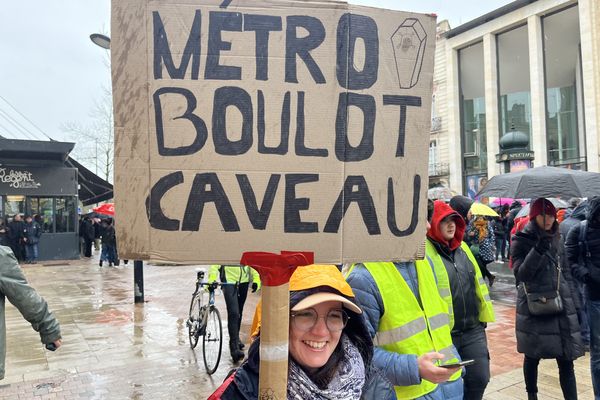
<point>92,188</point>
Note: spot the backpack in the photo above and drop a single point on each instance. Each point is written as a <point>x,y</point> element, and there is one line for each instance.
<point>584,250</point>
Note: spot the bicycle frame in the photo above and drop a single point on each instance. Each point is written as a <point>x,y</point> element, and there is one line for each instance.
<point>201,314</point>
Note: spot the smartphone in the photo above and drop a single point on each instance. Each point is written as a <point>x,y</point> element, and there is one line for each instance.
<point>463,363</point>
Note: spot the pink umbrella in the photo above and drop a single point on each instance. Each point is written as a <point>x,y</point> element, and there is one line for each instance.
<point>499,201</point>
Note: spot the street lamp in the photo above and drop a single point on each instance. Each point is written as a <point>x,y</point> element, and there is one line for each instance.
<point>100,40</point>
<point>138,265</point>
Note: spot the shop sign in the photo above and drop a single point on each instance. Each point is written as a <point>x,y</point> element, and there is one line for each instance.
<point>18,179</point>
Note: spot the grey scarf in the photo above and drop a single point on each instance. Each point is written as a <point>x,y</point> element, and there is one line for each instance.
<point>347,383</point>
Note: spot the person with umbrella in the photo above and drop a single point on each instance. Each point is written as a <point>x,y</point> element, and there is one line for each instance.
<point>481,236</point>
<point>546,324</point>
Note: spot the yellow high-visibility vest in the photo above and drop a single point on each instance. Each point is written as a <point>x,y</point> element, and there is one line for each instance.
<point>405,327</point>
<point>234,274</point>
<point>486,309</point>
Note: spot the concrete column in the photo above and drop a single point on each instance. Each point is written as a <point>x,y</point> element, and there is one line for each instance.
<point>589,19</point>
<point>490,73</point>
<point>538,91</point>
<point>455,159</point>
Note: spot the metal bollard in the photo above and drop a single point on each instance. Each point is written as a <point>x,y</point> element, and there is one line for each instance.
<point>138,281</point>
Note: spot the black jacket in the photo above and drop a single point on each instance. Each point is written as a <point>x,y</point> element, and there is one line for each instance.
<point>245,382</point>
<point>461,274</point>
<point>588,270</point>
<point>512,214</point>
<point>86,230</point>
<point>32,232</point>
<point>543,336</point>
<point>15,231</point>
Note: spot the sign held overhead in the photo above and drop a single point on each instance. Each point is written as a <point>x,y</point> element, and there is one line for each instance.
<point>268,125</point>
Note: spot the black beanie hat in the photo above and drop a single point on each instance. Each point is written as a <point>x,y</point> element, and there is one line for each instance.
<point>461,204</point>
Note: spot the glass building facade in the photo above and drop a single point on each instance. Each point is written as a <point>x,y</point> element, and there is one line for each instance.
<point>473,116</point>
<point>564,104</point>
<point>514,88</point>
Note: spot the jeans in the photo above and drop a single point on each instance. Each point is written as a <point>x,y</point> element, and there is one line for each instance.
<point>500,248</point>
<point>109,253</point>
<point>566,374</point>
<point>593,311</point>
<point>31,252</point>
<point>472,345</point>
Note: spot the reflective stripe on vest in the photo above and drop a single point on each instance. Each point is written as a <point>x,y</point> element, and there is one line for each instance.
<point>486,309</point>
<point>443,283</point>
<point>405,327</point>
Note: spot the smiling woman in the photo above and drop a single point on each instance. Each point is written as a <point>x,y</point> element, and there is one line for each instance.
<point>330,349</point>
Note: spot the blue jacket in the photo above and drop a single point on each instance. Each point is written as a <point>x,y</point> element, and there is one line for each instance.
<point>400,369</point>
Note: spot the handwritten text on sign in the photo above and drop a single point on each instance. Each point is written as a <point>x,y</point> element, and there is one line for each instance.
<point>288,121</point>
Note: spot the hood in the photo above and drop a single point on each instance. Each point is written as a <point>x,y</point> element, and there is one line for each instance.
<point>440,211</point>
<point>593,212</point>
<point>515,204</point>
<point>579,212</point>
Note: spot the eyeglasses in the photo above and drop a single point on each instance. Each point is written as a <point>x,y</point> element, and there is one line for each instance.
<point>305,320</point>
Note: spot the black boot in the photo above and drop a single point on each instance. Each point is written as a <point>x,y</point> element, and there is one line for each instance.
<point>236,353</point>
<point>531,396</point>
<point>100,263</point>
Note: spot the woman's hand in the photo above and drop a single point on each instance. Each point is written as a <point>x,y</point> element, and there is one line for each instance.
<point>431,372</point>
<point>542,245</point>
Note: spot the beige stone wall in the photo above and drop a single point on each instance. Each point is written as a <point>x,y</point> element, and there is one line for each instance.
<point>440,106</point>
<point>589,21</point>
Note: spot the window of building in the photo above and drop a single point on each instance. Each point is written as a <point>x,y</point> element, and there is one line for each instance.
<point>513,81</point>
<point>66,214</point>
<point>472,94</point>
<point>14,205</point>
<point>43,207</point>
<point>432,157</point>
<point>564,102</point>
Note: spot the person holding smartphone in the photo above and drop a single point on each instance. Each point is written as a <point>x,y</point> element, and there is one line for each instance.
<point>410,326</point>
<point>461,285</point>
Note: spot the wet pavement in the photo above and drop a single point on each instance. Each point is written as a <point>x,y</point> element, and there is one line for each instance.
<point>114,349</point>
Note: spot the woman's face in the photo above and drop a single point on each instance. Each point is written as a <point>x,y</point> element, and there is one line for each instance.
<point>448,228</point>
<point>312,349</point>
<point>545,222</point>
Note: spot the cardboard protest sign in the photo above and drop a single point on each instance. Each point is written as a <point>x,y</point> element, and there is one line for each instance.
<point>262,125</point>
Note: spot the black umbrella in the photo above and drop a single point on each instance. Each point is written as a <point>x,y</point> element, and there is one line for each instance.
<point>543,182</point>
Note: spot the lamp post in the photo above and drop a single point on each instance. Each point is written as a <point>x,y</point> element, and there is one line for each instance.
<point>138,265</point>
<point>100,40</point>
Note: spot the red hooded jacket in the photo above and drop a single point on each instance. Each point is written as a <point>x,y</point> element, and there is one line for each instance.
<point>440,211</point>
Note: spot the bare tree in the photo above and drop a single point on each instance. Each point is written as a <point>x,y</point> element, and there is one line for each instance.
<point>94,146</point>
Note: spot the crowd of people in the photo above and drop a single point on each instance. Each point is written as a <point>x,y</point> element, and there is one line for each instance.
<point>99,234</point>
<point>22,234</point>
<point>400,330</point>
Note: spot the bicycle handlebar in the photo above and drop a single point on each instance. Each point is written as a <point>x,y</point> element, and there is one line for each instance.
<point>215,284</point>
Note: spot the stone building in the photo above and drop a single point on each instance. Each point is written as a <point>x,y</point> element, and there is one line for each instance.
<point>516,88</point>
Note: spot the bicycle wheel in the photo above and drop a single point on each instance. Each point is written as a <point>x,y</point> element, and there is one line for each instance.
<point>212,343</point>
<point>194,321</point>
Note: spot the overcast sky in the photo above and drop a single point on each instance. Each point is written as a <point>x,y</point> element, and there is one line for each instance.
<point>52,73</point>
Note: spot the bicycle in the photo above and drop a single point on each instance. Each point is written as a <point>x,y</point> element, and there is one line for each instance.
<point>205,320</point>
